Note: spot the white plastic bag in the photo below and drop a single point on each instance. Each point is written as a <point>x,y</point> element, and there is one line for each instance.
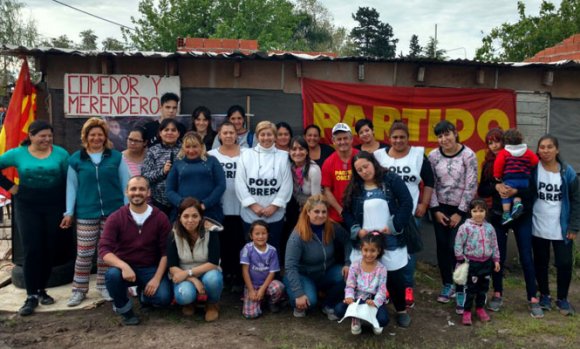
<point>363,311</point>
<point>460,273</point>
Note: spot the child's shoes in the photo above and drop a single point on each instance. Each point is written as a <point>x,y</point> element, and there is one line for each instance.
<point>482,315</point>
<point>517,209</point>
<point>467,318</point>
<point>506,218</point>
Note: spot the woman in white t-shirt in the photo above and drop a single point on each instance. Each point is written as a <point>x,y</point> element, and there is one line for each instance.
<point>555,221</point>
<point>411,164</point>
<point>232,237</point>
<point>378,200</point>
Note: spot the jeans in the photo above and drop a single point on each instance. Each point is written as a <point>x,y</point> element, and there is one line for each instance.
<point>331,282</point>
<point>382,313</point>
<point>213,282</point>
<point>523,234</point>
<point>117,287</point>
<point>412,263</point>
<point>563,259</point>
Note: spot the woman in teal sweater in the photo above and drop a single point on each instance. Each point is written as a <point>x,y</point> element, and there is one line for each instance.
<point>96,180</point>
<point>39,203</point>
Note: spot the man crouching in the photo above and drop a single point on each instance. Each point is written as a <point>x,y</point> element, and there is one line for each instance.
<point>134,245</point>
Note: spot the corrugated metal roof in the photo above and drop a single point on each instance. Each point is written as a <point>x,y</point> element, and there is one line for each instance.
<point>10,50</point>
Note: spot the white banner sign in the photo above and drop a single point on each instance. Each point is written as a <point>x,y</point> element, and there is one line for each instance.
<point>116,95</point>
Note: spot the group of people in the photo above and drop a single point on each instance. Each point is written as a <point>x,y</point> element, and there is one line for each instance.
<point>179,213</point>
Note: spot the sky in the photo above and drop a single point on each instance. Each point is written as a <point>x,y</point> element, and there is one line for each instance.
<point>460,23</point>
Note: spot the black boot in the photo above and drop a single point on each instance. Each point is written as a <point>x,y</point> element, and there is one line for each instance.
<point>44,298</point>
<point>29,305</point>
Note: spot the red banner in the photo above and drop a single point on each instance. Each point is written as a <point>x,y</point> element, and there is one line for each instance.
<point>472,111</point>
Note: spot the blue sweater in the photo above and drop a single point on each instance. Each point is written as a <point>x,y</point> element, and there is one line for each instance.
<point>201,179</point>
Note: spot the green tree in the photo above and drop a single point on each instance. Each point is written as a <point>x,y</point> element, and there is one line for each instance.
<point>14,29</point>
<point>315,30</point>
<point>62,41</point>
<point>88,40</point>
<point>373,37</point>
<point>431,51</point>
<point>415,50</point>
<point>271,22</point>
<point>531,34</point>
<point>112,44</point>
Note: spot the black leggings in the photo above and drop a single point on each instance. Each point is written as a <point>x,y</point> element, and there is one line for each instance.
<point>396,288</point>
<point>231,242</point>
<point>562,261</point>
<point>39,230</point>
<point>477,284</point>
<point>445,240</point>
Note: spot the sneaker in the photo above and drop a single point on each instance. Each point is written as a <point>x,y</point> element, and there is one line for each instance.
<point>105,295</point>
<point>130,319</point>
<point>460,302</point>
<point>517,210</point>
<point>506,218</point>
<point>44,298</point>
<point>188,310</point>
<point>482,315</point>
<point>388,297</point>
<point>495,303</point>
<point>447,292</point>
<point>535,309</point>
<point>546,302</point>
<point>355,326</point>
<point>299,312</point>
<point>565,307</point>
<point>274,307</point>
<point>30,304</point>
<point>75,299</point>
<point>409,297</point>
<point>403,320</point>
<point>330,313</point>
<point>377,330</point>
<point>466,318</point>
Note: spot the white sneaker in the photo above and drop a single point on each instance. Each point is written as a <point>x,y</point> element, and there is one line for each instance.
<point>377,330</point>
<point>105,295</point>
<point>355,326</point>
<point>330,313</point>
<point>76,298</point>
<point>299,312</point>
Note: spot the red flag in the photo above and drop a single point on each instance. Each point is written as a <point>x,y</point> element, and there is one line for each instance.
<point>21,112</point>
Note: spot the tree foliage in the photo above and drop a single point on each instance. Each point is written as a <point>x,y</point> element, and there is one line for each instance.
<point>112,44</point>
<point>14,29</point>
<point>276,24</point>
<point>531,34</point>
<point>431,51</point>
<point>373,37</point>
<point>415,49</point>
<point>88,40</point>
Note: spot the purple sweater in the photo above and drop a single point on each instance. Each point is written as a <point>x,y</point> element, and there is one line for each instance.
<point>455,178</point>
<point>476,242</point>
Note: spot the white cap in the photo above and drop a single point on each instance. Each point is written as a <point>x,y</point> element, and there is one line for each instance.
<point>341,127</point>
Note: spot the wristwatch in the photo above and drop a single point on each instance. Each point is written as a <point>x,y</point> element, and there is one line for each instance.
<point>189,272</point>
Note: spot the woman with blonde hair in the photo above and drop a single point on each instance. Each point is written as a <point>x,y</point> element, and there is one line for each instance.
<point>96,179</point>
<point>264,183</point>
<point>310,259</point>
<point>195,174</point>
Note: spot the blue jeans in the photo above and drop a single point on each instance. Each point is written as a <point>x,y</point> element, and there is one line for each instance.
<point>117,288</point>
<point>516,183</point>
<point>331,283</point>
<point>412,263</point>
<point>213,282</point>
<point>382,313</point>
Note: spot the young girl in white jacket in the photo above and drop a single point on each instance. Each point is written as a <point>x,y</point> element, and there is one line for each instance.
<point>264,183</point>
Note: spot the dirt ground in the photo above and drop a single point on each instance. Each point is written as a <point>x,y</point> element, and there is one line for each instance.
<point>434,326</point>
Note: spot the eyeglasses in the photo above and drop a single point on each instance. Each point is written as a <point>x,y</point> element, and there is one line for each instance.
<point>131,140</point>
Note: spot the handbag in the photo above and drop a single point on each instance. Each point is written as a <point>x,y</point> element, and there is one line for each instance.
<point>412,236</point>
<point>460,273</point>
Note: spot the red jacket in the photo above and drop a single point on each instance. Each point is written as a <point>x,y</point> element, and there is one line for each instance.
<point>507,165</point>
